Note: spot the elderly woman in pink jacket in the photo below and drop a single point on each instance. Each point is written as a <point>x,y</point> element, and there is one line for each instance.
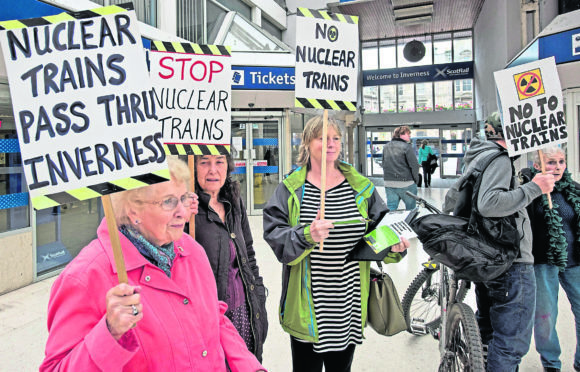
<point>168,318</point>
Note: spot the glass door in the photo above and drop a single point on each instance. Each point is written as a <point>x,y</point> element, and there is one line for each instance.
<point>257,158</point>
<point>454,143</point>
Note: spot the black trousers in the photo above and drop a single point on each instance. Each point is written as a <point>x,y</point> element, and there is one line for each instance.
<point>304,359</point>
<point>426,173</point>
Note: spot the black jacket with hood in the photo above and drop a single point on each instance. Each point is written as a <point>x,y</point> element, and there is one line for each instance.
<point>214,236</point>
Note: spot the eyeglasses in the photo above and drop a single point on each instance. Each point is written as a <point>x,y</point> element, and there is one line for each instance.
<point>171,202</point>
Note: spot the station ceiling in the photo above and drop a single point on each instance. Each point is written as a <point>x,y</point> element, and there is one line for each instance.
<point>383,19</point>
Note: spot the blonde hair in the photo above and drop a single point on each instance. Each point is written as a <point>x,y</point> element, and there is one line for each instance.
<point>121,201</point>
<point>549,152</point>
<point>313,130</point>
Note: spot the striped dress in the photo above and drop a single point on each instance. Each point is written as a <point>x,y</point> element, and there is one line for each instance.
<point>335,282</point>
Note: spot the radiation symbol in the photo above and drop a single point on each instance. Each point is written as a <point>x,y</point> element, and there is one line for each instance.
<point>529,84</point>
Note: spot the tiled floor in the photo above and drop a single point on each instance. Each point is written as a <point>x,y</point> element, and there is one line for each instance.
<point>23,321</point>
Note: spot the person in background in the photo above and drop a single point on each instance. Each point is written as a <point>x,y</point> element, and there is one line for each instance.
<point>323,305</point>
<point>400,169</point>
<point>223,230</point>
<point>167,318</point>
<point>505,305</point>
<point>424,152</point>
<point>556,250</point>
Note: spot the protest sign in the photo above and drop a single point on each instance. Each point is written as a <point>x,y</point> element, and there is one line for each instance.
<point>532,106</point>
<point>83,105</point>
<point>327,60</point>
<point>192,89</point>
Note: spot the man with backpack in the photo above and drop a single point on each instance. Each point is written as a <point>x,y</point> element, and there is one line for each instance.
<point>505,304</point>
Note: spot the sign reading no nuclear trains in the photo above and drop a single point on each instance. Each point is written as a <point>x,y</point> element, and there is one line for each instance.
<point>327,60</point>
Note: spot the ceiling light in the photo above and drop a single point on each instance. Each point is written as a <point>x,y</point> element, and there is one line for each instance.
<point>410,21</point>
<point>411,11</point>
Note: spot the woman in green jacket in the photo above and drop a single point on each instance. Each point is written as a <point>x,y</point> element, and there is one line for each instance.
<point>424,152</point>
<point>324,297</point>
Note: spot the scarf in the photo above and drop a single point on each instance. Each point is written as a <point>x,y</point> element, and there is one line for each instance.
<point>557,251</point>
<point>162,256</point>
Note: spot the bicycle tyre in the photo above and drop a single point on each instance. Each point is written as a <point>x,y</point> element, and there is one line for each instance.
<point>463,350</point>
<point>426,305</point>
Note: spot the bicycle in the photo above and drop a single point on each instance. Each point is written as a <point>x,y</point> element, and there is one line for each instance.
<point>455,326</point>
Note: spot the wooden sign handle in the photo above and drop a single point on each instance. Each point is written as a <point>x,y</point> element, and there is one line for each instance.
<point>323,175</point>
<point>115,241</point>
<point>191,164</point>
<point>543,167</point>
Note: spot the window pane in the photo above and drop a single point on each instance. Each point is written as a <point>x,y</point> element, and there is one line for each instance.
<point>403,62</point>
<point>269,26</point>
<point>443,95</point>
<point>463,97</point>
<point>462,50</point>
<point>190,19</point>
<point>387,54</point>
<point>406,97</point>
<point>370,57</point>
<point>238,6</point>
<point>243,37</point>
<point>145,10</point>
<point>442,51</point>
<point>388,98</point>
<point>61,232</point>
<point>14,208</point>
<point>371,100</point>
<point>424,97</point>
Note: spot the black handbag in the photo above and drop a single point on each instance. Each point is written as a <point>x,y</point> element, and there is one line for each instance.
<point>384,310</point>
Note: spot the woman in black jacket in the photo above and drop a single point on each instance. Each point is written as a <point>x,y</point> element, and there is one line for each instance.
<point>222,228</point>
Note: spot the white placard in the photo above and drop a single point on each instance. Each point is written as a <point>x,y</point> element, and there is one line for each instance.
<point>193,96</point>
<point>82,102</point>
<point>532,106</point>
<point>327,59</point>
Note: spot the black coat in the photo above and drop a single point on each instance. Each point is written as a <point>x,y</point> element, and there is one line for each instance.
<point>214,237</point>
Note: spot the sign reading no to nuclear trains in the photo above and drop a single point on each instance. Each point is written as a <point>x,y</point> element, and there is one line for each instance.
<point>532,106</point>
<point>327,60</point>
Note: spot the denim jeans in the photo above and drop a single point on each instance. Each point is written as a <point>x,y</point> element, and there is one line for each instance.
<point>395,194</point>
<point>548,280</point>
<point>505,314</point>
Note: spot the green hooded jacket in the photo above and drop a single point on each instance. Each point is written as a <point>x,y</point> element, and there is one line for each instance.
<point>292,243</point>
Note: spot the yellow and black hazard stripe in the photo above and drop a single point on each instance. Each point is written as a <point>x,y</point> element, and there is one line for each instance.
<point>327,104</point>
<point>94,191</point>
<point>190,48</point>
<point>63,17</point>
<point>181,149</point>
<point>313,13</point>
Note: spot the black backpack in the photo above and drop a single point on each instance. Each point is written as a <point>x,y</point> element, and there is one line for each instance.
<point>475,247</point>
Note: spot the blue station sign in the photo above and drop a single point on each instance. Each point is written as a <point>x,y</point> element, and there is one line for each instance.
<point>262,78</point>
<point>564,46</point>
<point>418,74</point>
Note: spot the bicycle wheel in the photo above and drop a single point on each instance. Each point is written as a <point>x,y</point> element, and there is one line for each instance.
<point>421,302</point>
<point>463,350</point>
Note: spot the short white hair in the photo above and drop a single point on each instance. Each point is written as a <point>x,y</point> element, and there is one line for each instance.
<point>549,152</point>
